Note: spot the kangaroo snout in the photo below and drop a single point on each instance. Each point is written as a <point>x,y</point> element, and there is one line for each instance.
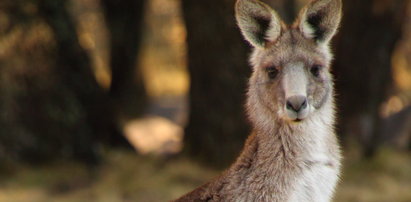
<point>297,107</point>
<point>297,103</point>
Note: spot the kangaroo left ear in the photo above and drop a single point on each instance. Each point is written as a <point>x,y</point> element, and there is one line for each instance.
<point>320,19</point>
<point>258,23</point>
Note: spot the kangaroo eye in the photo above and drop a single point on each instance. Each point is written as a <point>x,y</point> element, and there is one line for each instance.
<point>272,72</point>
<point>315,70</point>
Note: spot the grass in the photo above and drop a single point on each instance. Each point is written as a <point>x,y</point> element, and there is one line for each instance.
<point>125,176</point>
<point>385,178</point>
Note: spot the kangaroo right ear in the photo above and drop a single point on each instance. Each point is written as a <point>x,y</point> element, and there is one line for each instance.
<point>258,23</point>
<point>319,20</point>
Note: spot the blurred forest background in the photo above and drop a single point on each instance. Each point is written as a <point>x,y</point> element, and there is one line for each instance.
<point>142,100</point>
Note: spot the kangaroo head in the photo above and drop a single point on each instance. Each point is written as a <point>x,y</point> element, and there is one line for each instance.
<point>291,77</point>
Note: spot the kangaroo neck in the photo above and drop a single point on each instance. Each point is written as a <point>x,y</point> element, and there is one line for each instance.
<point>296,140</point>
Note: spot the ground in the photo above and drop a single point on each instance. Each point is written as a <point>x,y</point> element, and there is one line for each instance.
<point>126,176</point>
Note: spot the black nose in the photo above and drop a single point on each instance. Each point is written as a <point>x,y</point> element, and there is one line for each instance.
<point>296,103</point>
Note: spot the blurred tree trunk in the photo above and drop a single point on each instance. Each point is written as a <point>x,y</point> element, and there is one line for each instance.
<point>124,20</point>
<point>218,68</point>
<point>74,70</point>
<point>368,37</point>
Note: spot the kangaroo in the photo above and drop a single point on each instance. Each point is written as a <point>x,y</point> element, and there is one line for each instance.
<point>293,153</point>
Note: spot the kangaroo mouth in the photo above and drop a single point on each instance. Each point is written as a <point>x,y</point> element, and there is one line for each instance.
<point>297,120</point>
<point>296,117</point>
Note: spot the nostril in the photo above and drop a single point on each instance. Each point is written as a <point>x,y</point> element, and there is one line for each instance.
<point>304,105</point>
<point>290,106</point>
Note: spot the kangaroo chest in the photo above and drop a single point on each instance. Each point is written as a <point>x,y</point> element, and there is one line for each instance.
<point>316,182</point>
<point>310,177</point>
<point>313,182</point>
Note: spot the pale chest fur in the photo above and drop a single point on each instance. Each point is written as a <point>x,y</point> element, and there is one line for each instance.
<point>314,184</point>
<point>299,183</point>
<point>322,159</point>
<point>317,182</point>
<point>285,169</point>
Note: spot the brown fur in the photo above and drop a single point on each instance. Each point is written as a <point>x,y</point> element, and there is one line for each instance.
<point>281,154</point>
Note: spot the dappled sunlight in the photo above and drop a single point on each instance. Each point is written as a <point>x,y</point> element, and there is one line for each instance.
<point>392,106</point>
<point>402,72</point>
<point>22,194</point>
<point>93,37</point>
<point>387,177</point>
<point>162,57</point>
<point>123,176</point>
<point>154,135</point>
<point>10,40</point>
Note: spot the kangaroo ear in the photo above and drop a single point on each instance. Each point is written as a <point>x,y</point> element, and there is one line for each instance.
<point>258,23</point>
<point>320,19</point>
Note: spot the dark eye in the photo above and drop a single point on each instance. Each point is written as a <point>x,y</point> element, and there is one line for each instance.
<point>315,70</point>
<point>272,72</point>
